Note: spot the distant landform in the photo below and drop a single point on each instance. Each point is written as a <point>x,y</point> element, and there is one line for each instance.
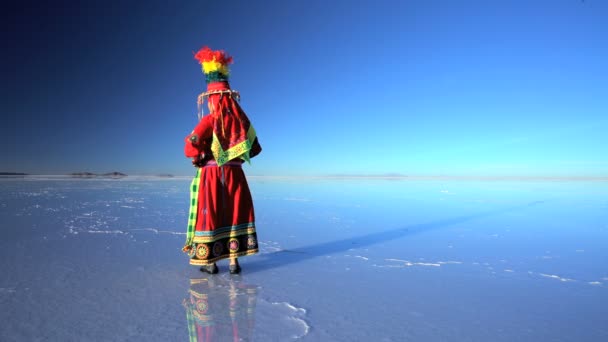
<point>93,175</point>
<point>165,175</point>
<point>84,174</point>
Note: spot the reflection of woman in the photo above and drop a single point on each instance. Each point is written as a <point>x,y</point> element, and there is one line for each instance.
<point>220,310</point>
<point>221,221</point>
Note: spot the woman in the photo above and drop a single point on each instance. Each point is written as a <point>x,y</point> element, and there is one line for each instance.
<point>221,222</point>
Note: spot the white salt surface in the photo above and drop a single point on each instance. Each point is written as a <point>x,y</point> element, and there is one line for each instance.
<point>340,260</point>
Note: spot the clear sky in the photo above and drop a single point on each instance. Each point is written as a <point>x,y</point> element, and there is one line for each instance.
<point>422,87</point>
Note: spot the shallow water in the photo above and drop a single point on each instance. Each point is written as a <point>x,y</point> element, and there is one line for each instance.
<point>341,260</point>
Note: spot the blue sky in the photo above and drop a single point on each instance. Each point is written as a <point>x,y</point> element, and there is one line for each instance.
<point>482,88</point>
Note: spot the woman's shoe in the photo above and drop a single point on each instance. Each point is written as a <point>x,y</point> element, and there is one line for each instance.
<point>235,269</point>
<point>211,269</point>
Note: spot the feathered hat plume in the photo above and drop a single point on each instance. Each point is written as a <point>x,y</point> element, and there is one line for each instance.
<point>214,64</point>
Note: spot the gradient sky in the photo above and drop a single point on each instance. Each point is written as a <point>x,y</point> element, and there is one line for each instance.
<point>333,87</point>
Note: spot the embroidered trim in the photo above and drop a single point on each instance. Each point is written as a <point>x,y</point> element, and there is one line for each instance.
<point>216,237</point>
<point>193,212</point>
<point>198,262</point>
<point>240,150</point>
<point>225,229</point>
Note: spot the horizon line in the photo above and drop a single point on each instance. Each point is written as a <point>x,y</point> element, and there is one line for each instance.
<point>336,177</point>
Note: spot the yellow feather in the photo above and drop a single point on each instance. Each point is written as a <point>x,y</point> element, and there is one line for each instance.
<point>214,66</point>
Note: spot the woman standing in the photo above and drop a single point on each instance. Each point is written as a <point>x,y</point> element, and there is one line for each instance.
<point>221,222</point>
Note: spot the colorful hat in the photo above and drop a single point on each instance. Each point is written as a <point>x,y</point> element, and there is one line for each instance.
<point>214,65</point>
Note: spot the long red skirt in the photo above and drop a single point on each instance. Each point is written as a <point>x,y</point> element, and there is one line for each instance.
<point>225,221</point>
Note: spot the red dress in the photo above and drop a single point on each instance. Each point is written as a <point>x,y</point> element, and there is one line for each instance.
<point>224,220</point>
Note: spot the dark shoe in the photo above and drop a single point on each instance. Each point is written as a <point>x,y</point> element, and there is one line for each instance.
<point>211,269</point>
<point>235,269</point>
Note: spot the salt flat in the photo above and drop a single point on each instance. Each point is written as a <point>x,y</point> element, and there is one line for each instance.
<point>341,260</point>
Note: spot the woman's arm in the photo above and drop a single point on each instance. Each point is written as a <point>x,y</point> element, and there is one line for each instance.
<point>196,142</point>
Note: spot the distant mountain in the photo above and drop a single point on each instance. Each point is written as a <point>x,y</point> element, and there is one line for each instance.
<point>13,174</point>
<point>165,175</point>
<point>92,175</point>
<point>83,174</point>
<point>114,174</point>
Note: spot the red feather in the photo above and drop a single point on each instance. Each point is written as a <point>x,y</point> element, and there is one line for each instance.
<point>205,54</point>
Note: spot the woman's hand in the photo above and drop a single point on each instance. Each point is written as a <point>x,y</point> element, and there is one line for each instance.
<point>199,161</point>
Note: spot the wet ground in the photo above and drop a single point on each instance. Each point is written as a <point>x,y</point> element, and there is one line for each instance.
<point>341,260</point>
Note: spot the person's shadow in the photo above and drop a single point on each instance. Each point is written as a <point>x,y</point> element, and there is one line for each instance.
<point>291,256</point>
<point>220,309</point>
